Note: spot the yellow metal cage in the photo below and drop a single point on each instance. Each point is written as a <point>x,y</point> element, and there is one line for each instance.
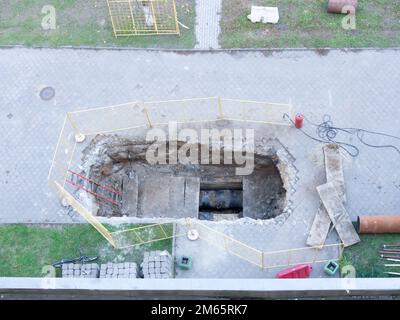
<point>143,17</point>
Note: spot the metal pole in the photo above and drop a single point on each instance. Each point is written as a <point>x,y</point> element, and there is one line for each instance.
<point>147,117</point>
<point>221,114</point>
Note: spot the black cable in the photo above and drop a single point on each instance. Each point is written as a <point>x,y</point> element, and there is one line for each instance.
<point>327,133</point>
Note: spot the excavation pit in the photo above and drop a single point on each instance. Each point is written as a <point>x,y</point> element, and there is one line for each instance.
<point>126,184</point>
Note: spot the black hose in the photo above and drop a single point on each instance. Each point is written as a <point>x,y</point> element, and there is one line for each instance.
<point>327,132</point>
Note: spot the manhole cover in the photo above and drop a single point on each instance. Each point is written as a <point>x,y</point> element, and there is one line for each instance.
<point>47,93</point>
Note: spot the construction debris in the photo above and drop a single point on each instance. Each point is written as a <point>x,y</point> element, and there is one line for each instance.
<point>264,14</point>
<point>338,214</point>
<point>334,174</point>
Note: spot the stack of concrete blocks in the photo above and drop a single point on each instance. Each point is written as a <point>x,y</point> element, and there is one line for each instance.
<point>157,265</point>
<point>89,270</point>
<point>118,270</point>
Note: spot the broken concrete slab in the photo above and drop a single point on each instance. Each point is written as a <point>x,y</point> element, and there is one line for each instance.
<point>338,214</point>
<point>264,14</point>
<point>225,216</point>
<point>154,200</point>
<point>130,194</point>
<point>168,195</point>
<point>334,173</point>
<point>191,197</point>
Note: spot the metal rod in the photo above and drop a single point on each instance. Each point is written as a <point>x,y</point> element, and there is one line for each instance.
<point>391,245</point>
<point>92,193</point>
<point>393,273</point>
<point>394,260</point>
<point>133,20</point>
<point>390,256</point>
<point>147,117</point>
<point>389,251</point>
<point>72,123</point>
<point>221,114</point>
<point>94,182</point>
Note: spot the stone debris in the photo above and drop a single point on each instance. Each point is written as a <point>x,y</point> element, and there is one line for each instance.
<point>71,270</point>
<point>157,265</point>
<point>264,14</point>
<point>118,270</point>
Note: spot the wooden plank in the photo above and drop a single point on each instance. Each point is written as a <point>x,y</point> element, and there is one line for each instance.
<point>338,214</point>
<point>334,169</point>
<point>320,228</point>
<point>334,173</point>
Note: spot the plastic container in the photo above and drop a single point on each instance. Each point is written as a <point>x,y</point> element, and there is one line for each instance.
<point>297,272</point>
<point>331,268</point>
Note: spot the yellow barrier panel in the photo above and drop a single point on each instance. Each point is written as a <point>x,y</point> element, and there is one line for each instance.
<point>143,235</point>
<point>226,243</point>
<point>266,259</point>
<point>85,213</point>
<point>143,17</point>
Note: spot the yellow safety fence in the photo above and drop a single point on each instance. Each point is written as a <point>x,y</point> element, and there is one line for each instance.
<point>266,259</point>
<point>124,118</point>
<point>143,235</point>
<point>134,115</point>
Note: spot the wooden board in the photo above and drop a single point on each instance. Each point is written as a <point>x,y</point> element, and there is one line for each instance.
<point>334,173</point>
<point>338,214</point>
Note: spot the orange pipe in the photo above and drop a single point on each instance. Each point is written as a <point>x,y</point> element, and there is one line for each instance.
<point>378,224</point>
<point>336,6</point>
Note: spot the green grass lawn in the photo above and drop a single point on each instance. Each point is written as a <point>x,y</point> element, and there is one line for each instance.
<point>364,256</point>
<point>82,23</point>
<point>305,23</point>
<point>26,249</point>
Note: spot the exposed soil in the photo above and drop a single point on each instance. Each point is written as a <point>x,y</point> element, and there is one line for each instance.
<point>111,160</point>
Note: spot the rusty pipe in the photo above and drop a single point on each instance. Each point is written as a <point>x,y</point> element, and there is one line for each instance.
<point>378,224</point>
<point>342,6</point>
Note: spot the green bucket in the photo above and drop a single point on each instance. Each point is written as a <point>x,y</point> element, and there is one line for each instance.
<point>331,268</point>
<point>185,263</point>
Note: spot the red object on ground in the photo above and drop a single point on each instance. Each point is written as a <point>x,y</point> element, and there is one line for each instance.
<point>299,121</point>
<point>299,271</point>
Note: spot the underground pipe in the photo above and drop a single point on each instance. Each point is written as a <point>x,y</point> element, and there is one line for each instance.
<point>378,224</point>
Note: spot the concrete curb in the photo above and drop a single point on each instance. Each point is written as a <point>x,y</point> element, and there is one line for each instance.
<point>175,288</point>
<point>191,50</point>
